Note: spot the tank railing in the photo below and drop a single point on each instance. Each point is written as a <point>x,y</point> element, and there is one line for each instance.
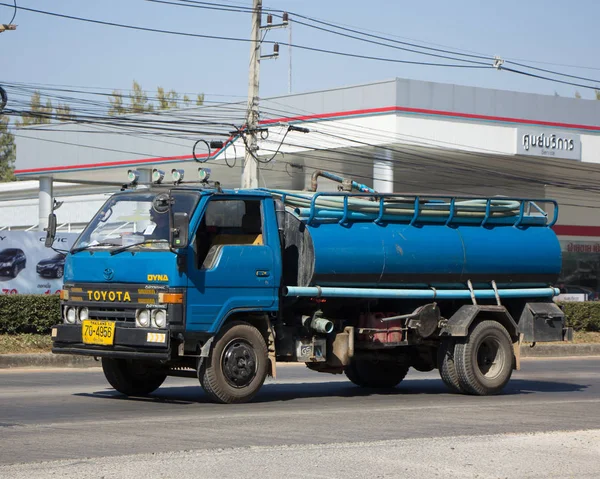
<point>415,209</point>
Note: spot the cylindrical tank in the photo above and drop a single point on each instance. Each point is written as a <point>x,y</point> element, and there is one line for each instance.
<point>365,254</point>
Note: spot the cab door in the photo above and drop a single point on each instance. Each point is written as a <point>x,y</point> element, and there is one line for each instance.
<point>235,265</point>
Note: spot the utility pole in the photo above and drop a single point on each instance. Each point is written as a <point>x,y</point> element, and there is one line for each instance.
<point>250,170</point>
<point>290,60</point>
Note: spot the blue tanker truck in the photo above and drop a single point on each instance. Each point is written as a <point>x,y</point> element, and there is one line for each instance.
<point>192,280</point>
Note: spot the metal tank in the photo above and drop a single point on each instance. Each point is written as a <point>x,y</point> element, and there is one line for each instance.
<point>345,240</point>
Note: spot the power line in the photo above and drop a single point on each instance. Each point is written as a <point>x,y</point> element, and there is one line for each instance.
<point>533,75</point>
<point>204,5</point>
<point>554,72</point>
<point>245,40</point>
<point>200,4</point>
<point>14,14</point>
<point>216,7</point>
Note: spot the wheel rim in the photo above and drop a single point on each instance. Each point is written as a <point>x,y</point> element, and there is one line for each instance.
<point>59,272</point>
<point>490,359</point>
<point>239,363</point>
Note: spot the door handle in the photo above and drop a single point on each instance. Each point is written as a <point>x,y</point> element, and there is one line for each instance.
<point>261,273</point>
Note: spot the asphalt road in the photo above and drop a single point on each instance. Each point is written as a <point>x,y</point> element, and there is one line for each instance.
<point>306,424</point>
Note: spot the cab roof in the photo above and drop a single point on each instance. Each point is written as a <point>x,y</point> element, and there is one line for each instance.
<point>196,188</point>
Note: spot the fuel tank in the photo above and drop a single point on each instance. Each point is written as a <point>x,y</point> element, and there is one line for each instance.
<point>367,254</point>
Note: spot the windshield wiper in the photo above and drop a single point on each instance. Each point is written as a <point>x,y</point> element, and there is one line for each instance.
<point>141,243</point>
<point>83,248</point>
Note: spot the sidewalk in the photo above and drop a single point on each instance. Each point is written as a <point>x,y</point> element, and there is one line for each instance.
<point>48,360</point>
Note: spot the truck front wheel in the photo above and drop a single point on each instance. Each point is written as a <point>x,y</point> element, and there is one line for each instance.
<point>133,378</point>
<point>237,366</point>
<point>368,373</point>
<point>484,360</point>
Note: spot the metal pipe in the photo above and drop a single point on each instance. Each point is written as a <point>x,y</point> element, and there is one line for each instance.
<point>330,176</point>
<point>321,325</point>
<point>333,292</point>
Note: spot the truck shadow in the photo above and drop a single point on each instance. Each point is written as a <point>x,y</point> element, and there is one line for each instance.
<point>435,387</point>
<point>273,392</point>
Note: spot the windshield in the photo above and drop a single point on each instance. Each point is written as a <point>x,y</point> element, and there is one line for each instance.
<point>130,218</point>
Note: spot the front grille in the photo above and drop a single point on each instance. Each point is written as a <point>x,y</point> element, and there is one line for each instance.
<point>118,314</point>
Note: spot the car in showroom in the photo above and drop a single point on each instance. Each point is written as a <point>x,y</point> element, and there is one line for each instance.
<point>53,267</point>
<point>12,262</point>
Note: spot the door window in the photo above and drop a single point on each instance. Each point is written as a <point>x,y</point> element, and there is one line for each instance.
<point>228,222</point>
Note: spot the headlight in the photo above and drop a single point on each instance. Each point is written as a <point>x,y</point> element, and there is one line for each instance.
<point>142,318</point>
<point>159,318</point>
<point>84,314</point>
<point>70,315</point>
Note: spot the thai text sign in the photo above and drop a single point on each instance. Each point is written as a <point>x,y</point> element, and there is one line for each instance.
<point>549,143</point>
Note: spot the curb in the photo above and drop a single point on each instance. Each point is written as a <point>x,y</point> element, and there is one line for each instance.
<point>49,360</point>
<point>46,360</point>
<point>559,350</point>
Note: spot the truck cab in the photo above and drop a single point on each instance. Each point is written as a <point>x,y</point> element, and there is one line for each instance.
<point>130,297</point>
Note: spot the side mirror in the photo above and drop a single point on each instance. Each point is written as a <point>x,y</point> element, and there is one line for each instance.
<point>50,230</point>
<point>178,237</point>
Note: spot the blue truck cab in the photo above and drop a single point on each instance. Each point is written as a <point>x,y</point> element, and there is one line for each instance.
<point>219,285</point>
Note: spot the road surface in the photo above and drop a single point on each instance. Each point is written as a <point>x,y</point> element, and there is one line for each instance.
<point>69,423</point>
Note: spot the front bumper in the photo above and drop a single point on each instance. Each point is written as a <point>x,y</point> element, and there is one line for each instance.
<point>129,342</point>
<point>48,273</point>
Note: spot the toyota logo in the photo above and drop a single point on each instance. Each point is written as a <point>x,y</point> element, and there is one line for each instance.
<point>109,274</point>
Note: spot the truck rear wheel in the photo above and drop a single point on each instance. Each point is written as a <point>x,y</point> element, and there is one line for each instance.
<point>237,366</point>
<point>133,378</point>
<point>484,360</point>
<point>447,366</point>
<point>368,373</point>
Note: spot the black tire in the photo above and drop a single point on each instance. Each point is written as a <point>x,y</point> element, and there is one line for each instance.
<point>59,272</point>
<point>133,378</point>
<point>447,366</point>
<point>237,366</point>
<point>14,271</point>
<point>484,360</point>
<point>376,374</point>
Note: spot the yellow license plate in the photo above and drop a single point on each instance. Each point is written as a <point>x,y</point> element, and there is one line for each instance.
<point>98,332</point>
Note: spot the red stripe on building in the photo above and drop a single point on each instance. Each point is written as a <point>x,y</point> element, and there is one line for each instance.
<point>568,230</point>
<point>324,116</point>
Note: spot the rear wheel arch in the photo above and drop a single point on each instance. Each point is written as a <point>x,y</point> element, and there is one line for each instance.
<point>468,316</point>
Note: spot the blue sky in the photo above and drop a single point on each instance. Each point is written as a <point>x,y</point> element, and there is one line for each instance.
<point>59,51</point>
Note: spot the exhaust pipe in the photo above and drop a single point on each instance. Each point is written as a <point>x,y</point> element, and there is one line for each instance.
<point>320,325</point>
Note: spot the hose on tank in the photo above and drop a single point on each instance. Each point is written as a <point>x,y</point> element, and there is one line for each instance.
<point>302,203</point>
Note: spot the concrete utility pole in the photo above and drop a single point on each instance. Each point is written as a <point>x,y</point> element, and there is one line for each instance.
<point>250,171</point>
<point>290,60</point>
